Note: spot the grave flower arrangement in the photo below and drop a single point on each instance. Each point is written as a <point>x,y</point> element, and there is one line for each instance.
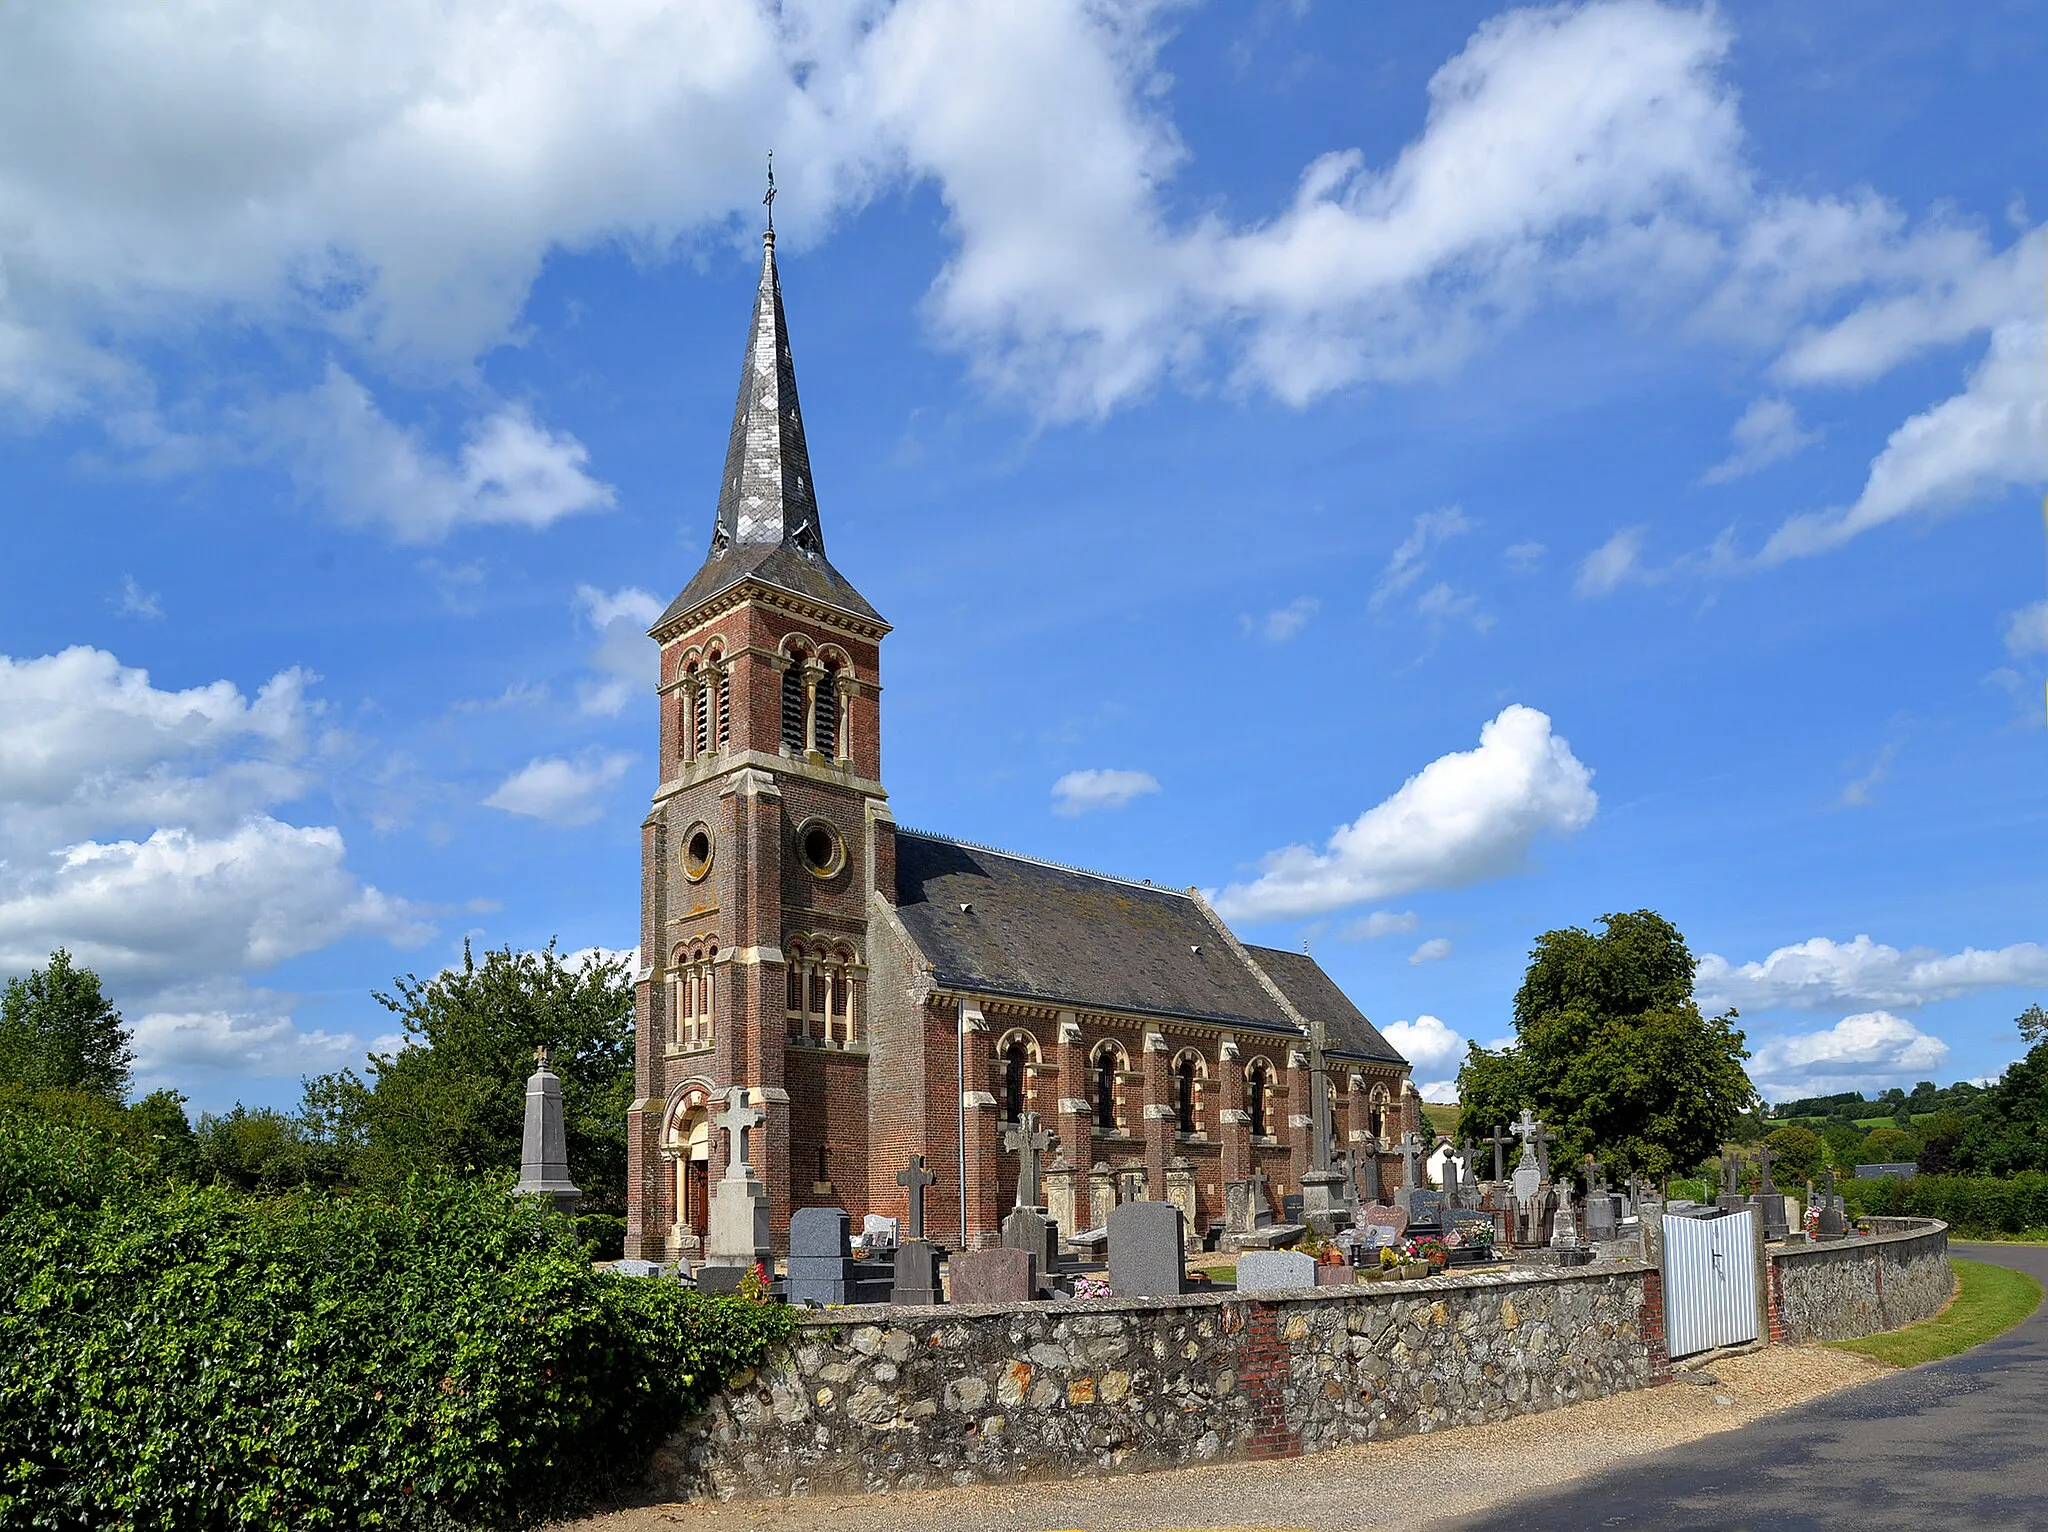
<point>1431,1249</point>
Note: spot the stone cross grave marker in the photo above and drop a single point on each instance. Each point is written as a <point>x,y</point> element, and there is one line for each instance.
<point>1499,1138</point>
<point>1410,1152</point>
<point>914,1178</point>
<point>1763,1164</point>
<point>1528,1178</point>
<point>739,1120</point>
<point>1545,1142</point>
<point>1030,1141</point>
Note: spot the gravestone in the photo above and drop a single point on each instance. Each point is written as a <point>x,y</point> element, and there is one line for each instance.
<point>1425,1209</point>
<point>1369,1180</point>
<point>1029,1142</point>
<point>1528,1177</point>
<point>877,1232</point>
<point>739,1208</point>
<point>1248,1217</point>
<point>1146,1241</point>
<point>1001,1275</point>
<point>1599,1214</point>
<point>1410,1150</point>
<point>1832,1225</point>
<point>1030,1229</point>
<point>544,1143</point>
<point>1180,1191</point>
<point>1770,1202</point>
<point>822,1270</point>
<point>1500,1138</point>
<point>1377,1215</point>
<point>1267,1271</point>
<point>916,1278</point>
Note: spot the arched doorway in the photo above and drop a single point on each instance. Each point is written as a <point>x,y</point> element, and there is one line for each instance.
<point>688,1143</point>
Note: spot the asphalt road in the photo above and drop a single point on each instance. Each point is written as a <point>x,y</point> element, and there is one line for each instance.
<point>1954,1446</point>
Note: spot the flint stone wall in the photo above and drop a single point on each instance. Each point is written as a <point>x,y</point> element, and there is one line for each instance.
<point>1838,1291</point>
<point>874,1398</point>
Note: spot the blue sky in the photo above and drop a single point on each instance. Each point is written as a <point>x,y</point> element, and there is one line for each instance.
<point>1424,474</point>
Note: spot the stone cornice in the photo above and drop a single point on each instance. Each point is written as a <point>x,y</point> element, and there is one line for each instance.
<point>748,589</point>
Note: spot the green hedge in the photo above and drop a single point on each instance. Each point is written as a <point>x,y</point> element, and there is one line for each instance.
<point>1970,1205</point>
<point>180,1357</point>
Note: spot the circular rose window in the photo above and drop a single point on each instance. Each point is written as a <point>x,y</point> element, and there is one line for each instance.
<point>698,850</point>
<point>818,844</point>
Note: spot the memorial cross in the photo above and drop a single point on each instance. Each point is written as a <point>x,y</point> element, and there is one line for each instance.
<point>1499,1139</point>
<point>1318,1097</point>
<point>739,1120</point>
<point>914,1178</point>
<point>1545,1139</point>
<point>1030,1141</point>
<point>1410,1152</point>
<point>1765,1188</point>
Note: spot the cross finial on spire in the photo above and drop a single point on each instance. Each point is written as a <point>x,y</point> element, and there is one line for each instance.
<point>769,200</point>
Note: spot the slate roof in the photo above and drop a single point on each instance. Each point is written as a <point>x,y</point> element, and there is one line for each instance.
<point>767,525</point>
<point>1033,930</point>
<point>1312,992</point>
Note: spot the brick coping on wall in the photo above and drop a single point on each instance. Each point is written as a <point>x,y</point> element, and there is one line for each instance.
<point>872,1313</point>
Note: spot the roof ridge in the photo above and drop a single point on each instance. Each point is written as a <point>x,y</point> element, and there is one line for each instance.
<point>1045,861</point>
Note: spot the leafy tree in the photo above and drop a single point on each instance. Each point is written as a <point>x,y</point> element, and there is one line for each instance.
<point>58,1032</point>
<point>453,1098</point>
<point>2010,1133</point>
<point>1941,1139</point>
<point>257,1150</point>
<point>2033,1024</point>
<point>1888,1146</point>
<point>1798,1152</point>
<point>1613,1053</point>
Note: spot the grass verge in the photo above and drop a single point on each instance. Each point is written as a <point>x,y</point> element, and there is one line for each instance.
<point>1989,1300</point>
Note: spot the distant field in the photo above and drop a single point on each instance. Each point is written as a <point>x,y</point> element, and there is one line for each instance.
<point>1442,1118</point>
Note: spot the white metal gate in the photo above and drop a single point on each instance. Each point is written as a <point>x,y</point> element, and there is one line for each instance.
<point>1709,1282</point>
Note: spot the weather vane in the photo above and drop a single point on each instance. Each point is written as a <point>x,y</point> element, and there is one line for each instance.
<point>769,200</point>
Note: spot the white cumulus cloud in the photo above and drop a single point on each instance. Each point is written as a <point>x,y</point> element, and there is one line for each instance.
<point>2026,631</point>
<point>558,791</point>
<point>137,831</point>
<point>626,661</point>
<point>1464,818</point>
<point>1991,437</point>
<point>1083,792</point>
<point>238,1031</point>
<point>1768,432</point>
<point>1426,1042</point>
<point>1823,974</point>
<point>1435,950</point>
<point>1381,923</point>
<point>1874,1048</point>
<point>510,470</point>
<point>1282,623</point>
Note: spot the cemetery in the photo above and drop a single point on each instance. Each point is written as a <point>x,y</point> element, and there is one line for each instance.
<point>1331,1318</point>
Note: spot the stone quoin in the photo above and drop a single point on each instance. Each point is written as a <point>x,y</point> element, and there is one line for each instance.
<point>877,990</point>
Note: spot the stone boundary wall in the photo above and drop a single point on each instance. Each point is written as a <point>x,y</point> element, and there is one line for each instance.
<point>1838,1291</point>
<point>876,1398</point>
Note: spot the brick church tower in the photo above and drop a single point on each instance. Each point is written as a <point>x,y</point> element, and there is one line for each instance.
<point>769,836</point>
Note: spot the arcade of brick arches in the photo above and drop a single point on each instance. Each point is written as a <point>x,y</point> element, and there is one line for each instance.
<point>880,990</point>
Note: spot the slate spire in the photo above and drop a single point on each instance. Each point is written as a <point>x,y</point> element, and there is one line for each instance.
<point>767,526</point>
<point>766,497</point>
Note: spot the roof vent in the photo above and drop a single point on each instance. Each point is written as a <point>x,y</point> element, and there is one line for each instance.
<point>1196,949</point>
<point>967,909</point>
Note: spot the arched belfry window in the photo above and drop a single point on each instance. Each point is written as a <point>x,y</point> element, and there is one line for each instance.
<point>700,688</point>
<point>1186,1103</point>
<point>793,705</point>
<point>1256,1082</point>
<point>827,726</point>
<point>1015,1057</point>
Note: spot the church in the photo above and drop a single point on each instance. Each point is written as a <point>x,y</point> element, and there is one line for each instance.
<point>884,992</point>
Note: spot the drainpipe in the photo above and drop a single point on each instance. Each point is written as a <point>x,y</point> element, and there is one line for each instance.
<point>960,1108</point>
